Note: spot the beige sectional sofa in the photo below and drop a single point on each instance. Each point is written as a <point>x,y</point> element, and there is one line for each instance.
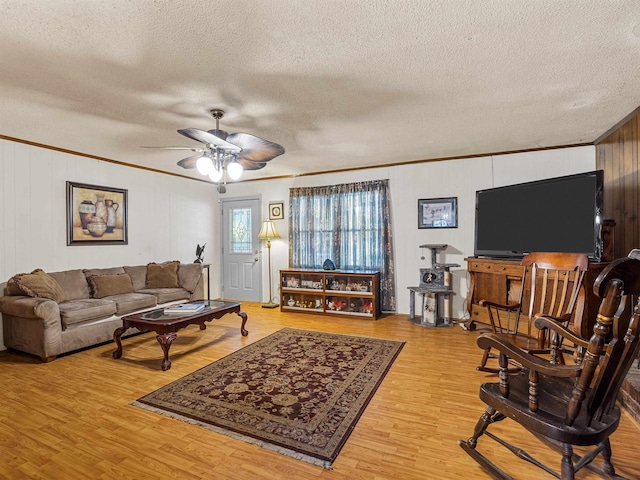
<point>48,314</point>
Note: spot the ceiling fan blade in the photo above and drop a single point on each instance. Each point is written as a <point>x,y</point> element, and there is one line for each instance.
<point>209,138</point>
<point>251,165</point>
<point>193,149</point>
<point>189,162</point>
<point>255,149</point>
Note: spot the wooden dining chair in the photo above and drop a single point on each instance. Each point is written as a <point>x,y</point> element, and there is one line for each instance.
<point>551,285</point>
<point>567,405</point>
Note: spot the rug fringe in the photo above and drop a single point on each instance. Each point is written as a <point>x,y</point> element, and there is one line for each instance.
<point>238,436</point>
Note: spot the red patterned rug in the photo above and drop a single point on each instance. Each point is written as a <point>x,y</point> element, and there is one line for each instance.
<point>298,392</point>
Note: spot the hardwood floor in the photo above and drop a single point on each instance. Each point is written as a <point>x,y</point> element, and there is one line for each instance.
<point>72,418</point>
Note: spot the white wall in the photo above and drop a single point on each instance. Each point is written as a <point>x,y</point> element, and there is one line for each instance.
<point>451,178</point>
<point>167,215</point>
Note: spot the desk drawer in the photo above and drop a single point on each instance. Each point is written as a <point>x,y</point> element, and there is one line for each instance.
<point>495,268</point>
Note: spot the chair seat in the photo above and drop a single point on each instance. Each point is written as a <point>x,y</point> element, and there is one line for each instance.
<point>549,420</point>
<point>528,344</point>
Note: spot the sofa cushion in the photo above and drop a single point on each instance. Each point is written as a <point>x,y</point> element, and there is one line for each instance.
<point>106,285</point>
<point>103,271</point>
<point>163,275</point>
<point>165,295</point>
<point>130,302</point>
<point>35,284</point>
<point>73,283</point>
<point>138,276</point>
<point>189,275</point>
<point>81,310</point>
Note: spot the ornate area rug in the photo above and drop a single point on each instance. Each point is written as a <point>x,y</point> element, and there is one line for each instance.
<point>298,392</point>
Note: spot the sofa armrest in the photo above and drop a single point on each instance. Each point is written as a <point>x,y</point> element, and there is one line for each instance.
<point>29,307</point>
<point>32,325</point>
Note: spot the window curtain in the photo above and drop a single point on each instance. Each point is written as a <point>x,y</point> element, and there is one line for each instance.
<point>348,223</point>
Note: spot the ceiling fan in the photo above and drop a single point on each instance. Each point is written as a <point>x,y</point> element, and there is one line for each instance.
<point>223,152</point>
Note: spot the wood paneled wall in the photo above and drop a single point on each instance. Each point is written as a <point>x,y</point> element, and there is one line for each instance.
<point>618,154</point>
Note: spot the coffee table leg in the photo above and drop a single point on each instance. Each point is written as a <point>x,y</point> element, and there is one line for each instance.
<point>165,340</point>
<point>243,330</point>
<point>116,338</point>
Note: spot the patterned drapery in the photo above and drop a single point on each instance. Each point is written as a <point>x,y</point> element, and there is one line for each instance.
<point>349,223</point>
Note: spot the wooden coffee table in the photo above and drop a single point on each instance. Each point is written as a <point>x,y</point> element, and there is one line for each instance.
<point>166,326</point>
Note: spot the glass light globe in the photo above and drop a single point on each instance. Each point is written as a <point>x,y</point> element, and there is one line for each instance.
<point>204,165</point>
<point>234,169</point>
<point>215,175</point>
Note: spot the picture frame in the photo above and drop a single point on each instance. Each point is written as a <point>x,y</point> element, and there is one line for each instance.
<point>96,215</point>
<point>276,211</point>
<point>438,212</point>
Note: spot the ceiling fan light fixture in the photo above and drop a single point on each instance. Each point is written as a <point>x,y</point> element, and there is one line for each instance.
<point>204,165</point>
<point>234,169</point>
<point>226,154</point>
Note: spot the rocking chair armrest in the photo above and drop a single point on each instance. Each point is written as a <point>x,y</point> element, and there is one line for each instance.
<point>553,323</point>
<point>489,304</point>
<point>541,365</point>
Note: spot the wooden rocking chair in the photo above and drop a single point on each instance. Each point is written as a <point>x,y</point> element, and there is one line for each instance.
<point>567,405</point>
<point>551,286</point>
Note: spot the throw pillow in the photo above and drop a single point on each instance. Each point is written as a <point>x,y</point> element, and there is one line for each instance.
<point>189,275</point>
<point>105,285</point>
<point>138,276</point>
<point>35,284</point>
<point>163,275</point>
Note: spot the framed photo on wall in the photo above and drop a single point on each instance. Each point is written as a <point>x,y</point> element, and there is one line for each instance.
<point>96,215</point>
<point>438,213</point>
<point>276,211</point>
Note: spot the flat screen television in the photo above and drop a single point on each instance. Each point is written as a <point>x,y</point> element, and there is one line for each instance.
<point>561,214</point>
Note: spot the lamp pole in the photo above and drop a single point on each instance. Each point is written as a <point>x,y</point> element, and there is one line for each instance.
<point>267,232</point>
<point>270,304</point>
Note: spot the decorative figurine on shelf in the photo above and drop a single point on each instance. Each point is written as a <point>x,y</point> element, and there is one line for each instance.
<point>328,264</point>
<point>368,306</point>
<point>199,252</point>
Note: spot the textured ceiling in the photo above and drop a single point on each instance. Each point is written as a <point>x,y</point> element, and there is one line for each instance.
<point>338,83</point>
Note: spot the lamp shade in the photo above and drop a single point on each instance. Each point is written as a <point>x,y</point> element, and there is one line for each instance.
<point>268,231</point>
<point>215,174</point>
<point>204,165</point>
<point>234,169</point>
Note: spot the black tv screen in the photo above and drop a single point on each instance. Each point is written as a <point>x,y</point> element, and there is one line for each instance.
<point>559,214</point>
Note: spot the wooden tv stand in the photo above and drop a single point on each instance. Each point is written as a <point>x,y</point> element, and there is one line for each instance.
<point>499,280</point>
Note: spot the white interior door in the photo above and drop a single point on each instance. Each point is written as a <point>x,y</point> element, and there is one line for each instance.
<point>241,268</point>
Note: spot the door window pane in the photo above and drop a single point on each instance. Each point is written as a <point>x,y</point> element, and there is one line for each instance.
<point>240,229</point>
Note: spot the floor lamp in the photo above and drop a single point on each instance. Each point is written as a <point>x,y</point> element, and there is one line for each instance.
<point>267,232</point>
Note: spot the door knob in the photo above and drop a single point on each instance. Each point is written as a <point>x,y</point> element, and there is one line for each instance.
<point>256,259</point>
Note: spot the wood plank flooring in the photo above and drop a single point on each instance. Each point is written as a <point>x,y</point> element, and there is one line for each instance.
<point>72,418</point>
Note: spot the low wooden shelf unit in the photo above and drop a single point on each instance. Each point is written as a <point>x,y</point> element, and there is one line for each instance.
<point>334,292</point>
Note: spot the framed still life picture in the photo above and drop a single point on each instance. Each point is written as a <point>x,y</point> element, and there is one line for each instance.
<point>96,215</point>
<point>276,211</point>
<point>438,213</point>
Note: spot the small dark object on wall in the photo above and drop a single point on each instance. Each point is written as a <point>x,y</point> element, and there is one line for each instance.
<point>328,265</point>
<point>199,252</point>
